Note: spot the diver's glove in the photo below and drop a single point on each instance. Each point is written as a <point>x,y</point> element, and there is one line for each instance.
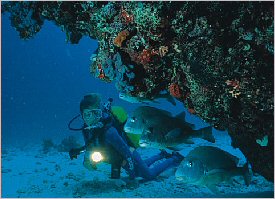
<point>74,152</point>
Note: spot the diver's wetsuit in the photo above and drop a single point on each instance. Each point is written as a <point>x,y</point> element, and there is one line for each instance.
<point>115,149</point>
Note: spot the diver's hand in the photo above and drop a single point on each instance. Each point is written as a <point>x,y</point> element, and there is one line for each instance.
<point>74,153</point>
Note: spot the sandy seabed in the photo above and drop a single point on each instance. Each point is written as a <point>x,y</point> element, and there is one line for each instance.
<point>29,173</point>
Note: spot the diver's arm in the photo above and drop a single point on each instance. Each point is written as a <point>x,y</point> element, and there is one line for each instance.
<point>74,152</point>
<point>115,140</point>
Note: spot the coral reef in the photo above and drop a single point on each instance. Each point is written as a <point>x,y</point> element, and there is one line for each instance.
<point>215,57</point>
<point>175,90</point>
<point>121,37</point>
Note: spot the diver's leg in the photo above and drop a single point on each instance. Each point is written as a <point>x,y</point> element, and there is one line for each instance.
<point>141,167</point>
<point>153,159</point>
<point>150,173</point>
<point>162,166</point>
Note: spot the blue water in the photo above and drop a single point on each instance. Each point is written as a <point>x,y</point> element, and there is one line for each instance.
<point>43,81</point>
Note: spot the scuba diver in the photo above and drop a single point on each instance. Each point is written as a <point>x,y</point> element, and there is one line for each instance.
<point>105,141</point>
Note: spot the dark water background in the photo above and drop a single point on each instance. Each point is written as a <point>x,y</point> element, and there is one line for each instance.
<point>43,81</point>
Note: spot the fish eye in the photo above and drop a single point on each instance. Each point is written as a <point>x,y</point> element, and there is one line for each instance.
<point>189,164</point>
<point>133,119</point>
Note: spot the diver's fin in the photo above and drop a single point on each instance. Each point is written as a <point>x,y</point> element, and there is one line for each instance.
<point>247,174</point>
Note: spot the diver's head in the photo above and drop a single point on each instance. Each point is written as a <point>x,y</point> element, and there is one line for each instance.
<point>90,108</point>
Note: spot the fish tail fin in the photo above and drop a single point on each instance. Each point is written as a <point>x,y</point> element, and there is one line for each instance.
<point>181,117</point>
<point>247,173</point>
<point>207,134</point>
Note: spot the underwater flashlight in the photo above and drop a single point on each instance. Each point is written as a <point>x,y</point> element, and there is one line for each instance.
<point>96,156</point>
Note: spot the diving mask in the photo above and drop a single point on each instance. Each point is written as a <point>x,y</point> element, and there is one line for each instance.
<point>92,114</point>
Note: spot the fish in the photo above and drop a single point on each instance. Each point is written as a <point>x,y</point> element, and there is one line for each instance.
<point>157,128</point>
<point>132,99</point>
<point>209,166</point>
